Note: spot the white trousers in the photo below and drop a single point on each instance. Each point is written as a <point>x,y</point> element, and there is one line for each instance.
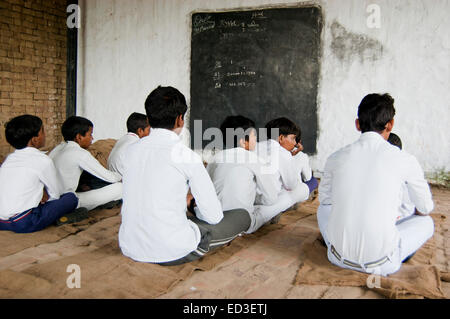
<point>94,198</point>
<point>414,232</point>
<point>263,214</point>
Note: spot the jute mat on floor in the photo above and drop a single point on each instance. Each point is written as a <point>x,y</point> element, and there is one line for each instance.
<point>417,278</point>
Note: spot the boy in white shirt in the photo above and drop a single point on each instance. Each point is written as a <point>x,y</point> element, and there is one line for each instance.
<point>137,127</point>
<point>31,195</point>
<point>158,172</point>
<point>282,150</point>
<point>359,196</point>
<point>240,177</point>
<point>292,164</point>
<point>71,158</point>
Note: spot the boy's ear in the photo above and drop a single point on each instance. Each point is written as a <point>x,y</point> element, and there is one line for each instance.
<point>77,138</point>
<point>179,122</point>
<point>389,126</point>
<point>242,142</point>
<point>280,138</point>
<point>358,128</point>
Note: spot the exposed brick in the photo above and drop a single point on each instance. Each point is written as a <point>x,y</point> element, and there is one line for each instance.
<point>33,58</point>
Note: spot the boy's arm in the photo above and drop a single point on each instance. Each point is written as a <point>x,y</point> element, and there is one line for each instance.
<point>302,160</point>
<point>290,175</point>
<point>418,188</point>
<point>209,208</point>
<point>90,164</point>
<point>325,190</point>
<point>266,182</point>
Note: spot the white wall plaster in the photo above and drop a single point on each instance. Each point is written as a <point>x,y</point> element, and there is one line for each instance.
<point>127,48</point>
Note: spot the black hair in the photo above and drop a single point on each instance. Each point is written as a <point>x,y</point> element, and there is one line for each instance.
<point>395,140</point>
<point>285,127</point>
<point>136,121</point>
<point>163,105</point>
<point>375,111</point>
<point>21,129</point>
<point>242,127</point>
<point>75,125</point>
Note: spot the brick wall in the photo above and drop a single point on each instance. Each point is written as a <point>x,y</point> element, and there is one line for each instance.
<point>33,58</point>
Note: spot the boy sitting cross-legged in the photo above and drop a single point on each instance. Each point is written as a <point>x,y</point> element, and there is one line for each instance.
<point>158,172</point>
<point>71,158</point>
<point>360,196</point>
<point>291,166</point>
<point>31,195</point>
<point>241,178</point>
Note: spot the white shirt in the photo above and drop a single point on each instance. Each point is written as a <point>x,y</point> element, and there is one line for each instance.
<point>23,176</point>
<point>158,171</point>
<point>363,182</point>
<point>302,163</point>
<point>239,176</point>
<point>281,160</point>
<point>115,158</point>
<point>407,207</point>
<point>71,159</point>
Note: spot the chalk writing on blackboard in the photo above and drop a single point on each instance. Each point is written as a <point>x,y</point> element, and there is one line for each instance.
<point>203,24</point>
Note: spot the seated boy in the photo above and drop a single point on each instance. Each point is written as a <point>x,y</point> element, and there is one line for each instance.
<point>138,127</point>
<point>158,172</point>
<point>31,195</point>
<point>71,158</point>
<point>407,207</point>
<point>239,176</point>
<point>359,197</point>
<point>285,152</point>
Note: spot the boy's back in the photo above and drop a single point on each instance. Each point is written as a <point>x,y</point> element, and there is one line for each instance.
<point>366,178</point>
<point>21,176</point>
<point>158,172</point>
<point>238,176</point>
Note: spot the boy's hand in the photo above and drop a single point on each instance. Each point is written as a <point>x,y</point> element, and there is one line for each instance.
<point>44,197</point>
<point>299,148</point>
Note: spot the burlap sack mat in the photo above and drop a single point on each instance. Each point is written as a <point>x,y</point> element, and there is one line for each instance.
<point>417,278</point>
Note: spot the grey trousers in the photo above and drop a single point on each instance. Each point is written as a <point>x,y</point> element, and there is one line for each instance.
<point>233,223</point>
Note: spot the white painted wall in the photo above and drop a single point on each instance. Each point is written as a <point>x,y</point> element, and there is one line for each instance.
<point>127,48</point>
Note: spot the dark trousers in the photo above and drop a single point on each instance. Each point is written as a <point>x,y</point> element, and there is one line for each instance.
<point>233,223</point>
<point>42,216</point>
<point>90,181</point>
<point>312,184</point>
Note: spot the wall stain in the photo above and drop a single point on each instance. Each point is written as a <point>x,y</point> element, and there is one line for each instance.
<point>346,45</point>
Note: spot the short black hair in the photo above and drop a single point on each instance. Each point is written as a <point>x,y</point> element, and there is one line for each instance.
<point>75,125</point>
<point>285,127</point>
<point>163,105</point>
<point>21,129</point>
<point>375,111</point>
<point>395,140</point>
<point>136,121</point>
<point>236,122</point>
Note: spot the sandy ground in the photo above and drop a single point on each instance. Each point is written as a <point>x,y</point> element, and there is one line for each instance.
<point>266,268</point>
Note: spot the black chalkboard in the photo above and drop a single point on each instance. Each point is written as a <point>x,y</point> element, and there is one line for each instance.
<point>261,64</point>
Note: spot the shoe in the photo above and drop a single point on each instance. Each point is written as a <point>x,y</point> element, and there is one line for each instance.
<point>110,205</point>
<point>75,216</point>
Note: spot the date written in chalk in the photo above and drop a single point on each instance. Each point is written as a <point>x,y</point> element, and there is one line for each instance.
<point>232,308</point>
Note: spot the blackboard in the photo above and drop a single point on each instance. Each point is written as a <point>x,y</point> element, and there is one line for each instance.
<point>261,64</point>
